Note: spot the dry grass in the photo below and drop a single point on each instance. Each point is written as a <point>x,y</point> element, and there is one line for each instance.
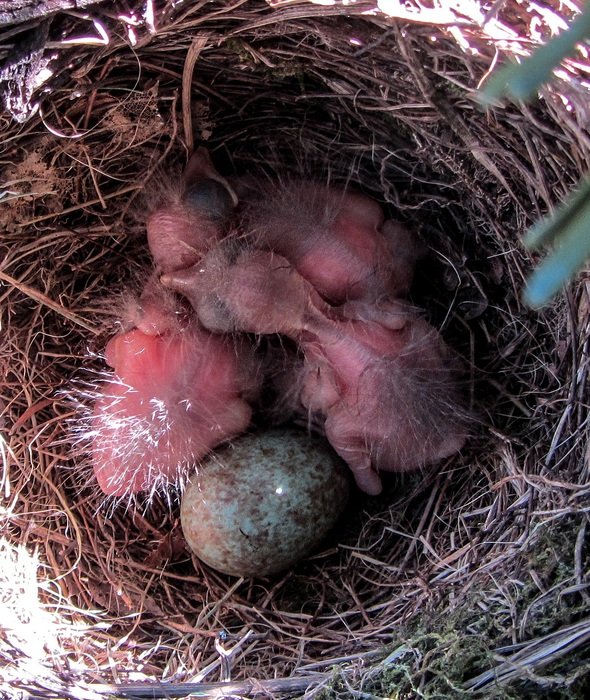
<point>471,579</point>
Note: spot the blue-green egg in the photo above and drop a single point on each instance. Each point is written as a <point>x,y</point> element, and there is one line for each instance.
<point>259,505</point>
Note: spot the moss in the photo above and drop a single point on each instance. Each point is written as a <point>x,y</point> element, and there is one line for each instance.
<point>439,664</point>
<point>287,68</point>
<point>552,559</point>
<point>437,667</point>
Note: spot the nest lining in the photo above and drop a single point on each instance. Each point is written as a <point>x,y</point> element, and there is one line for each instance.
<point>419,587</point>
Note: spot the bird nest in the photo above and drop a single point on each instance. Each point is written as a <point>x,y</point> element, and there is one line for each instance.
<point>470,577</point>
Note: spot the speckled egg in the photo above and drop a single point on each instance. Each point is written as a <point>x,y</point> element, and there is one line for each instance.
<point>259,505</point>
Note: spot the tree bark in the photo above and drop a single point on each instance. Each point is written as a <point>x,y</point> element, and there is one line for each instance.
<point>18,11</point>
